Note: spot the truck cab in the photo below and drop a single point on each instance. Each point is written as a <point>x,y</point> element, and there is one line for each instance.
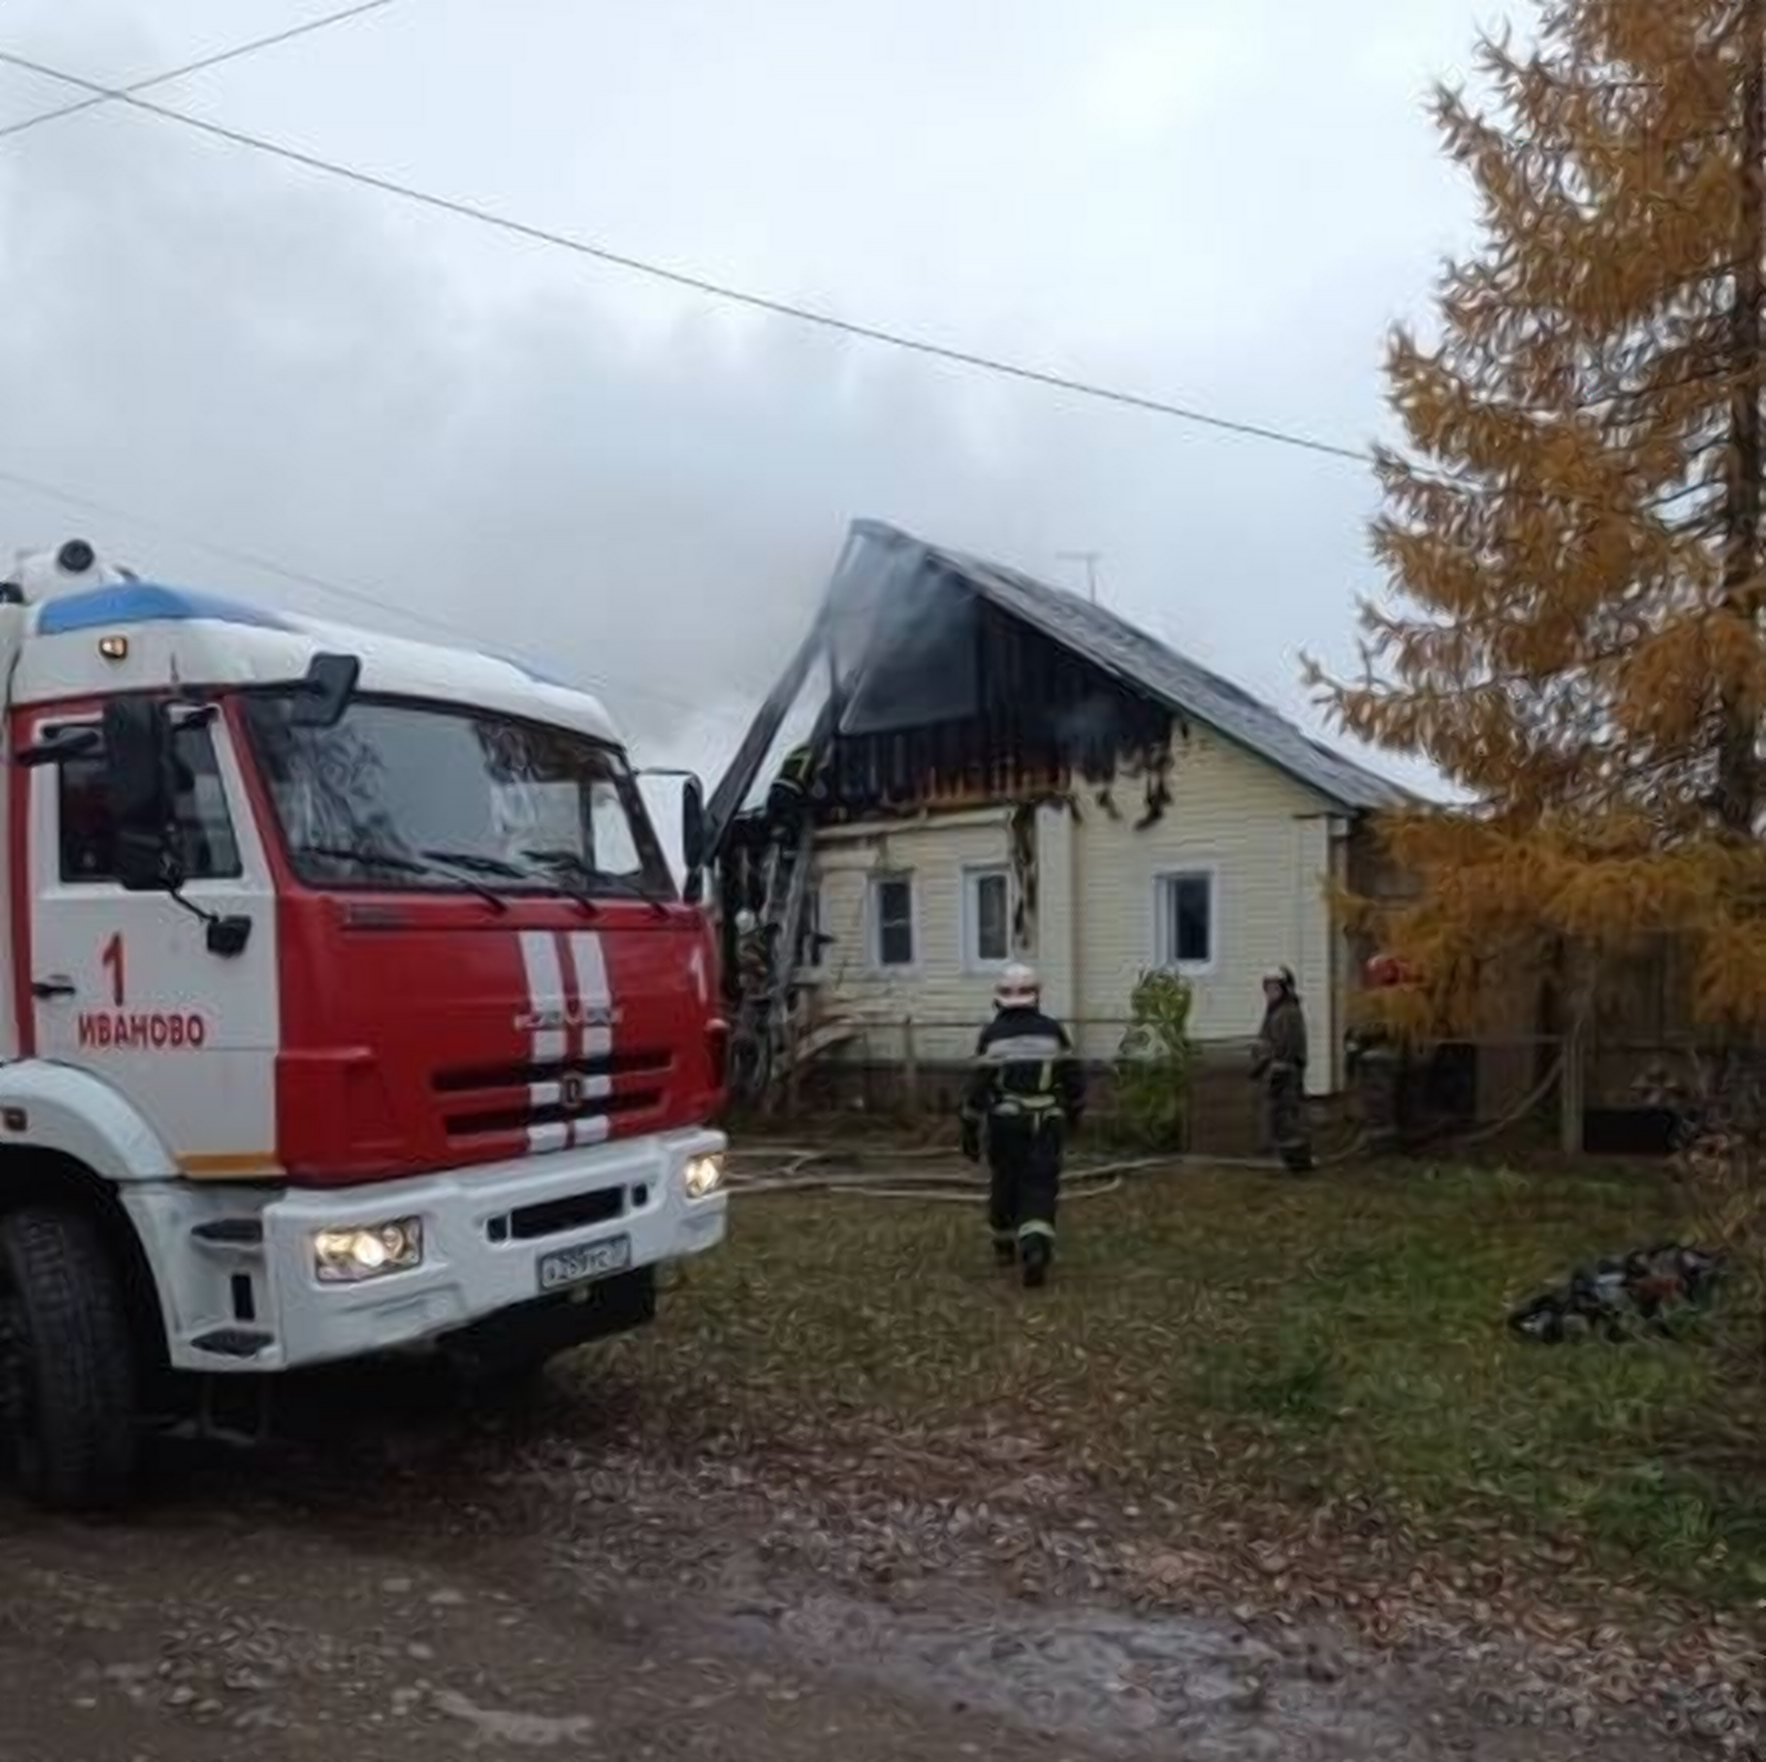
<point>353,1008</point>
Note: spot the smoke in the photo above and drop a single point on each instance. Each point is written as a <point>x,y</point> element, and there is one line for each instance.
<point>635,489</point>
<point>284,370</point>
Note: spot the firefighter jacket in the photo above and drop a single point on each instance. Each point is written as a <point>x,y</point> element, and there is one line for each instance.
<point>1281,1041</point>
<point>1024,1071</point>
<point>797,771</point>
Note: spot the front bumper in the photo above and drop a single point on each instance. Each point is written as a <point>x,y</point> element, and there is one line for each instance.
<point>234,1265</point>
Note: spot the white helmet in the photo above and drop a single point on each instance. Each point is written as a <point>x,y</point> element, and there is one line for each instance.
<point>746,922</point>
<point>1018,987</point>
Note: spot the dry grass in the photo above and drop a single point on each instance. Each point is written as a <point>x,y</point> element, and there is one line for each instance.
<point>1330,1346</point>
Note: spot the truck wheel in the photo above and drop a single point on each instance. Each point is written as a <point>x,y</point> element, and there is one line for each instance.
<point>67,1378</point>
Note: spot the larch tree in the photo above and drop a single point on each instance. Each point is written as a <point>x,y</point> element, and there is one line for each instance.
<point>1573,534</point>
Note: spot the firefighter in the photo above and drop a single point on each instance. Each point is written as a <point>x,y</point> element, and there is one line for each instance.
<point>1026,1093</point>
<point>789,796</point>
<point>1378,1067</point>
<point>1279,1063</point>
<point>751,952</point>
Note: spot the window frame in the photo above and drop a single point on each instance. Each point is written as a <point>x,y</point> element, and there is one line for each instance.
<point>874,885</point>
<point>969,927</point>
<point>1165,880</point>
<point>209,729</point>
<point>622,773</point>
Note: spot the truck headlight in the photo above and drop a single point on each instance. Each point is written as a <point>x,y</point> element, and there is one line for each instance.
<point>702,1176</point>
<point>346,1257</point>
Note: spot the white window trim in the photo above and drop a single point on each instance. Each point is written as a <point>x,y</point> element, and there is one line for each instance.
<point>874,926</point>
<point>1199,869</point>
<point>969,917</point>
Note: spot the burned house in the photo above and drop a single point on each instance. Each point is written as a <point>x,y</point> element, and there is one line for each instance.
<point>999,769</point>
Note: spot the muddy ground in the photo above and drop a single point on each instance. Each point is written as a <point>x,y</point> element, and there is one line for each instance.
<point>402,1579</point>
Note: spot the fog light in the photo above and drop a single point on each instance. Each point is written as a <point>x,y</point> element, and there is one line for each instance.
<point>702,1176</point>
<point>346,1257</point>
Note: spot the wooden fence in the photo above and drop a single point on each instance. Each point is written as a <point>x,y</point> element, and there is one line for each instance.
<point>910,1072</point>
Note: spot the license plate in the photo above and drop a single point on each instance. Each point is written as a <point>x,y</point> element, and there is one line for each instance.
<point>582,1266</point>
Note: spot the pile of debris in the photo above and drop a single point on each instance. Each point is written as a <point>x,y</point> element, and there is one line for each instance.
<point>1645,1292</point>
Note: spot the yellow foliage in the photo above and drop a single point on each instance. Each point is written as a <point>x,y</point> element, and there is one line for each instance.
<point>1572,535</point>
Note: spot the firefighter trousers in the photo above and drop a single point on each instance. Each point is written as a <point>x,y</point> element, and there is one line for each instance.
<point>1288,1124</point>
<point>1024,1165</point>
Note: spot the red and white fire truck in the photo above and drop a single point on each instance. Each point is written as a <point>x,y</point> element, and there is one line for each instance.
<point>353,1008</point>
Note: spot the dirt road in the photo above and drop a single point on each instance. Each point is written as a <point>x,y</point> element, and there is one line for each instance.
<point>433,1586</point>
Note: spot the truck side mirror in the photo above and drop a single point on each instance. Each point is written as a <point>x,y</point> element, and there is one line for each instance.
<point>693,823</point>
<point>693,838</point>
<point>326,691</point>
<point>139,778</point>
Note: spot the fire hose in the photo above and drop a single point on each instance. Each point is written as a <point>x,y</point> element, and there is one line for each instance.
<point>792,1168</point>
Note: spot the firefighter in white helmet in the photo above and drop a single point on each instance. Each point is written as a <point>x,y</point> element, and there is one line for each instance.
<point>1026,1094</point>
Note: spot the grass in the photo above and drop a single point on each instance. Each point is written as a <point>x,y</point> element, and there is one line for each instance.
<point>1234,1335</point>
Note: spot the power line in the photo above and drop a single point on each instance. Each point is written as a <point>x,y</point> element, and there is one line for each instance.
<point>319,584</point>
<point>232,554</point>
<point>237,53</point>
<point>697,283</point>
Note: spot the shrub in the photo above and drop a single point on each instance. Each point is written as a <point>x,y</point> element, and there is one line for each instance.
<point>1153,1063</point>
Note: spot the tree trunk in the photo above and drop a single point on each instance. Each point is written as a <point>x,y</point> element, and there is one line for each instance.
<point>1738,780</point>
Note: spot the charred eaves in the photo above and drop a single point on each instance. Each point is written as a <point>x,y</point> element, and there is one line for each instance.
<point>998,714</point>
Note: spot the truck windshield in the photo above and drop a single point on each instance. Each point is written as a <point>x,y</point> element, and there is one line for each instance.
<point>422,796</point>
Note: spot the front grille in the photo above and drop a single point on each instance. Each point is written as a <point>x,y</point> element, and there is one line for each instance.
<point>518,1076</point>
<point>518,1116</point>
<point>483,1101</point>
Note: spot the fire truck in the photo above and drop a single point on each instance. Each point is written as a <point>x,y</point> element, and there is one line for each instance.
<point>353,1009</point>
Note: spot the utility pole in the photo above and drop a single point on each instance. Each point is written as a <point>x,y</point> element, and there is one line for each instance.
<point>1090,559</point>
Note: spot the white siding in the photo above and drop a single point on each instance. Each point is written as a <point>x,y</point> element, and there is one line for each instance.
<point>946,1003</point>
<point>1265,838</point>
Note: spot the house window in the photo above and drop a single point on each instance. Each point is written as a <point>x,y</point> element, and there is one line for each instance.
<point>202,828</point>
<point>987,916</point>
<point>1184,904</point>
<point>892,920</point>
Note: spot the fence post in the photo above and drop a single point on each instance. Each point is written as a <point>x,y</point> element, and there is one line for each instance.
<point>1572,1090</point>
<point>910,1068</point>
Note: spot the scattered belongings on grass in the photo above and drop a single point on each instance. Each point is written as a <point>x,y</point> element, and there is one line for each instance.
<point>1645,1292</point>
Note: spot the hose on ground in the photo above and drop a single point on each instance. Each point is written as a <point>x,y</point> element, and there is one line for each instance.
<point>789,1163</point>
<point>937,1186</point>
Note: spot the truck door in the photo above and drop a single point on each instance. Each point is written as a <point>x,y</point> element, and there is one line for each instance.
<point>125,984</point>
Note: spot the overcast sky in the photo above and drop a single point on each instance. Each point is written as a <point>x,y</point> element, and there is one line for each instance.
<point>1219,205</point>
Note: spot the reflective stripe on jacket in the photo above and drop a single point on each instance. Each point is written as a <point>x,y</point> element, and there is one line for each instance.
<point>1024,1069</point>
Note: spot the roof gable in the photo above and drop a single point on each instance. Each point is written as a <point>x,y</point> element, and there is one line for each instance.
<point>1126,652</point>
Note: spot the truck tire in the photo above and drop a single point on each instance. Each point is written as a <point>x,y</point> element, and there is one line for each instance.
<point>67,1375</point>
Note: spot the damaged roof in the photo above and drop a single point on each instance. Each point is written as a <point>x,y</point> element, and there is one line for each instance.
<point>1128,653</point>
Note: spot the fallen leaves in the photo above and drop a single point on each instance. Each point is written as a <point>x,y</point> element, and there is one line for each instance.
<point>1286,1406</point>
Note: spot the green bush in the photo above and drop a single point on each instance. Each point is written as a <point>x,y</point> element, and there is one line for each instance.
<point>1153,1063</point>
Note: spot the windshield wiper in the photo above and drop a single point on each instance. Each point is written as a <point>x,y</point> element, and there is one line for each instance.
<point>394,864</point>
<point>590,876</point>
<point>501,866</point>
